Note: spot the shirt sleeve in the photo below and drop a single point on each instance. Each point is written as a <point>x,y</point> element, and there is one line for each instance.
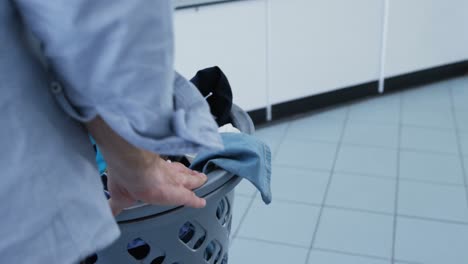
<point>115,59</point>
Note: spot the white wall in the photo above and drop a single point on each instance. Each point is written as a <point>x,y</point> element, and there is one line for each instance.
<point>322,45</point>
<point>278,50</point>
<point>232,36</point>
<point>426,33</point>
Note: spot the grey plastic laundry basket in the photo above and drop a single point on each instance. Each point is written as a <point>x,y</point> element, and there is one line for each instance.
<point>180,235</point>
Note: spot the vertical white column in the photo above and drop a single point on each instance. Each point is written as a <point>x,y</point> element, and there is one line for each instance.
<point>383,51</point>
<point>267,58</point>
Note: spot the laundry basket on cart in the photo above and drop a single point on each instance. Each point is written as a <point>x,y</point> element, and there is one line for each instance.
<point>180,235</point>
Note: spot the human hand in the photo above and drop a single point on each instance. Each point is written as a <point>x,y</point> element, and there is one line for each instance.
<point>162,183</point>
<point>136,174</point>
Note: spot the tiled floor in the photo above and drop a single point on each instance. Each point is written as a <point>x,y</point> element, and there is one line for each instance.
<point>379,181</point>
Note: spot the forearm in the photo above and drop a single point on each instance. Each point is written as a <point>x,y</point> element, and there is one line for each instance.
<point>116,150</point>
<point>137,174</point>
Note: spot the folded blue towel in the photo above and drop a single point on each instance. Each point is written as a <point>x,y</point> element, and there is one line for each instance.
<point>243,155</point>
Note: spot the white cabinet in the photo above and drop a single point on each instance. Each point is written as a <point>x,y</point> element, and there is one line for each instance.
<point>232,36</point>
<point>322,45</point>
<point>426,33</point>
<point>279,50</point>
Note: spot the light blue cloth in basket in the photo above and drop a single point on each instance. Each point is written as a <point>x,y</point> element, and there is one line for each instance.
<point>101,163</point>
<point>244,156</point>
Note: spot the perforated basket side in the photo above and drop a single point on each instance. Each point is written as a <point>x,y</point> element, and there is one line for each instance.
<point>163,240</point>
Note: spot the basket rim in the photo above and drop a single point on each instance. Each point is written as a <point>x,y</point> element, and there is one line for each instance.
<point>216,178</point>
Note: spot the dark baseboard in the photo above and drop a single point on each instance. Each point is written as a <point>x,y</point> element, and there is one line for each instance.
<point>258,116</point>
<point>323,100</point>
<point>348,94</point>
<point>195,4</point>
<point>418,78</point>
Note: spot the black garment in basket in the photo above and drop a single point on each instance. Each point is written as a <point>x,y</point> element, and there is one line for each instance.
<point>212,80</point>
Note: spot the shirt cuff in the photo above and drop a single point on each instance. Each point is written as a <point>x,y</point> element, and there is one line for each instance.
<point>192,127</point>
<point>80,114</point>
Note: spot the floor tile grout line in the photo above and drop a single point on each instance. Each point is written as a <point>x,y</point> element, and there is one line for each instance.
<point>458,137</point>
<point>375,176</point>
<point>272,242</point>
<point>397,182</point>
<point>347,143</point>
<point>351,253</point>
<point>363,255</point>
<point>346,253</point>
<point>281,141</point>
<point>244,216</point>
<point>428,127</point>
<point>368,211</point>
<point>447,184</point>
<point>404,124</point>
<point>427,151</point>
<point>358,210</point>
<point>429,219</point>
<point>400,261</point>
<point>312,204</point>
<point>337,151</point>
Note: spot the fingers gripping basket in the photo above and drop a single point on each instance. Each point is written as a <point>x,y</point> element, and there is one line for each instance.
<point>180,235</point>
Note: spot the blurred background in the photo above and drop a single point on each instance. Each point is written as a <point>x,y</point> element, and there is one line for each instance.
<point>364,104</point>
